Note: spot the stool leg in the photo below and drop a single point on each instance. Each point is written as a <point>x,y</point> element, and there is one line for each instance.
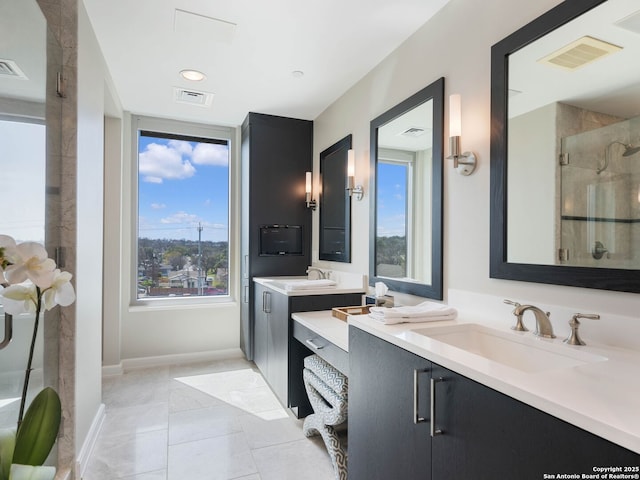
<point>316,423</point>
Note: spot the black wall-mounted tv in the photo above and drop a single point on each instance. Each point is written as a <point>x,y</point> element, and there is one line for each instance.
<point>280,240</point>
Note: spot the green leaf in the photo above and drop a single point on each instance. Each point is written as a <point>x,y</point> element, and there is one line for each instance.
<point>7,444</point>
<point>28,472</point>
<point>39,429</point>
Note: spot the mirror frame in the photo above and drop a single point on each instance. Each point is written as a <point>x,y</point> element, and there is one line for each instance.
<point>434,92</point>
<point>587,277</point>
<point>338,148</point>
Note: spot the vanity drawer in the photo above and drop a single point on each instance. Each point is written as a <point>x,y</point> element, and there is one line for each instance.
<point>322,347</point>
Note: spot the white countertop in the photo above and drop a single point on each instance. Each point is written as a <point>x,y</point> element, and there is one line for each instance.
<point>343,286</point>
<point>602,397</point>
<point>325,325</point>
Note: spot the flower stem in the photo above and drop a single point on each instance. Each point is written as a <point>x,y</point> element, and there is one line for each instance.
<point>27,373</point>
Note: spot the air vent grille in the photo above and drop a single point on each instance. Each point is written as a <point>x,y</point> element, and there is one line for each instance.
<point>413,132</point>
<point>9,68</point>
<point>192,97</point>
<point>579,53</point>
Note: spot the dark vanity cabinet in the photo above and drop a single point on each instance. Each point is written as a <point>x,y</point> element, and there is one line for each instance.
<point>277,354</point>
<point>384,440</point>
<point>270,352</point>
<point>480,434</point>
<point>276,153</point>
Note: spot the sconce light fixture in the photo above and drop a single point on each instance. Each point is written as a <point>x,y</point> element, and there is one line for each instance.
<point>307,189</point>
<point>356,191</point>
<point>463,163</point>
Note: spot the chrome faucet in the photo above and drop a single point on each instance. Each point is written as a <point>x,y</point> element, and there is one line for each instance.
<point>321,274</point>
<point>543,324</point>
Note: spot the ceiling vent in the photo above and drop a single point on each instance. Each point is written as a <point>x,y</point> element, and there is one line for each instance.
<point>192,97</point>
<point>413,132</point>
<point>579,53</point>
<point>9,68</point>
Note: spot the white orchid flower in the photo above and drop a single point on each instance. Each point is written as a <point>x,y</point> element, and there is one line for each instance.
<point>30,262</point>
<point>61,291</point>
<point>17,299</point>
<point>7,254</point>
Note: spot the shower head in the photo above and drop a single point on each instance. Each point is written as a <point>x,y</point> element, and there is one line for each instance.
<point>630,150</point>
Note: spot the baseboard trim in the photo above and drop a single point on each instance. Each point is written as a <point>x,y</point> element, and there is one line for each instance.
<point>108,370</point>
<point>87,447</point>
<point>180,358</point>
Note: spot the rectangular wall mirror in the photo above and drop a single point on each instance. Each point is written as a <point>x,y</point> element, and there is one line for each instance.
<point>565,148</point>
<point>335,203</point>
<point>406,194</point>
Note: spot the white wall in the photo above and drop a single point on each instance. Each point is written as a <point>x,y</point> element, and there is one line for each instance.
<point>532,187</point>
<point>182,332</point>
<point>456,44</point>
<point>92,75</point>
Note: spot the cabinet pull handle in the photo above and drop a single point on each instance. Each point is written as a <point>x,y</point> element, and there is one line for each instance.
<point>266,304</point>
<point>245,294</point>
<point>416,396</point>
<point>246,266</point>
<point>434,431</point>
<point>313,344</point>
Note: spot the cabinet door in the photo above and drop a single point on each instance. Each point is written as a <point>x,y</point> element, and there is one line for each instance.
<point>278,351</point>
<point>261,327</point>
<point>487,435</point>
<point>384,441</point>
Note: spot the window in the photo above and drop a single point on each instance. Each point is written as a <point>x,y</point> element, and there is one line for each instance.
<point>395,186</point>
<point>183,211</point>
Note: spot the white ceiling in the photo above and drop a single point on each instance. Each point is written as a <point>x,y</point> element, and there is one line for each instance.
<point>23,41</point>
<point>610,85</point>
<point>248,49</point>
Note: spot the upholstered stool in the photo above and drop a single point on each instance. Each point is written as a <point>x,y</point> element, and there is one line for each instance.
<point>327,391</point>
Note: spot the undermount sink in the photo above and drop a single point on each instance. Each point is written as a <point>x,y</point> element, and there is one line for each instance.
<point>520,351</point>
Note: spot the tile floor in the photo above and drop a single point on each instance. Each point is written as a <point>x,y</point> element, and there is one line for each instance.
<point>207,421</point>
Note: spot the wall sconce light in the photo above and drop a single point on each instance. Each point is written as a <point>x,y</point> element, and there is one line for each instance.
<point>307,196</point>
<point>463,163</point>
<point>356,191</point>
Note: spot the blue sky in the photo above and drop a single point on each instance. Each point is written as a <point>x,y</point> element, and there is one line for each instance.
<point>182,184</point>
<point>392,199</point>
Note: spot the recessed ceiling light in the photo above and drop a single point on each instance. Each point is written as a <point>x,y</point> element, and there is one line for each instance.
<point>297,74</point>
<point>192,75</point>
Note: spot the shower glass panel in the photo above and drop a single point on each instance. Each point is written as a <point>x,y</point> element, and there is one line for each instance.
<point>22,182</point>
<point>599,225</point>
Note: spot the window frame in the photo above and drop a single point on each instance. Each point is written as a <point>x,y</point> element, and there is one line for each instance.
<point>195,130</point>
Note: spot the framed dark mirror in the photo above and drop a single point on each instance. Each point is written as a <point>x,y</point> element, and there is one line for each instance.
<point>335,203</point>
<point>405,241</point>
<point>565,148</point>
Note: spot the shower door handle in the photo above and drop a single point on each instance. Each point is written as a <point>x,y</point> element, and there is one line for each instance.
<point>8,331</point>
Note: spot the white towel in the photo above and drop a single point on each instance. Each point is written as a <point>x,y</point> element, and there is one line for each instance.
<point>423,312</point>
<point>308,284</point>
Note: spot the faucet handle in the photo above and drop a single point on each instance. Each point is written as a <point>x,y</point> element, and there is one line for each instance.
<point>574,338</point>
<point>519,326</point>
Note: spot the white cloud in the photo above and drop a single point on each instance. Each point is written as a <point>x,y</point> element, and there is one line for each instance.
<point>211,154</point>
<point>160,162</point>
<point>181,218</point>
<point>158,206</point>
<point>181,146</point>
